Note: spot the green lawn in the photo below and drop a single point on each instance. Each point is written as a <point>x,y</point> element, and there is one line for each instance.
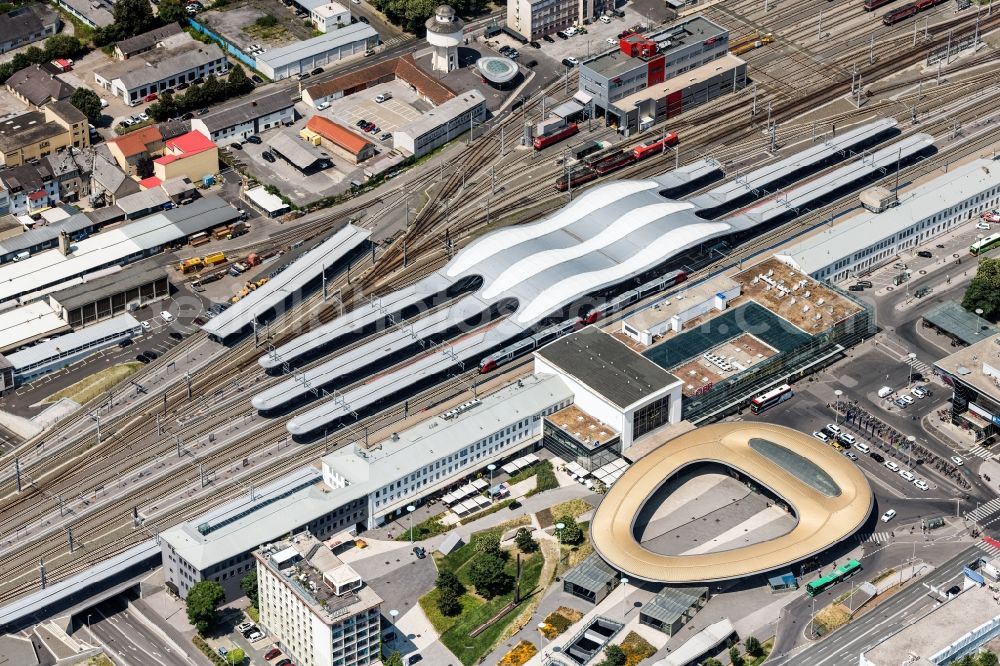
<point>455,630</point>
<point>425,529</point>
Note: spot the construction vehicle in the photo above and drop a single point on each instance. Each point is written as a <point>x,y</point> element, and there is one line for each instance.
<point>192,265</point>
<point>754,40</point>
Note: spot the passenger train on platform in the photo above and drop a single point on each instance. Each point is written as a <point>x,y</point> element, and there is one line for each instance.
<point>587,171</point>
<point>620,302</point>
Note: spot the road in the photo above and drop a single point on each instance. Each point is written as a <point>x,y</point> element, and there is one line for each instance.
<point>844,646</point>
<point>127,640</point>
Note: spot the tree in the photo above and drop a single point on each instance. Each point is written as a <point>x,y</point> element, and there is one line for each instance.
<point>64,46</point>
<point>711,662</point>
<point>238,83</point>
<point>447,580</point>
<point>447,602</point>
<point>752,646</point>
<point>984,289</point>
<point>395,659</point>
<point>489,544</point>
<point>249,586</point>
<point>163,109</point>
<point>213,89</point>
<point>488,575</point>
<point>525,542</point>
<point>988,659</point>
<point>614,656</point>
<point>133,17</point>
<point>571,534</point>
<point>202,600</point>
<point>735,658</point>
<point>87,101</point>
<point>171,11</point>
<point>236,656</point>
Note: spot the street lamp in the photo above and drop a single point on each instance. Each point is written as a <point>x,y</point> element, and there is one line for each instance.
<point>911,357</point>
<point>910,441</point>
<point>409,514</point>
<point>836,407</point>
<point>393,614</point>
<point>491,467</point>
<point>541,636</point>
<point>624,596</point>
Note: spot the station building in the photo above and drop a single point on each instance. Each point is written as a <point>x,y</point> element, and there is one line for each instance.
<point>641,61</point>
<point>245,118</point>
<point>735,336</point>
<point>108,296</point>
<point>865,242</point>
<point>974,376</point>
<point>441,124</point>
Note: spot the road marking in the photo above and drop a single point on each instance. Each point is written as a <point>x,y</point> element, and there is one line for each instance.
<point>985,510</point>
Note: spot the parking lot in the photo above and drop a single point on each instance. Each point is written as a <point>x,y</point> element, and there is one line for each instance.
<point>295,185</point>
<point>403,109</point>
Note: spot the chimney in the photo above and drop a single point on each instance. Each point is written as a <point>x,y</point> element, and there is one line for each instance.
<point>64,244</point>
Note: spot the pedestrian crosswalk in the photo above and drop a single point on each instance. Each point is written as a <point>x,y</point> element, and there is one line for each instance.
<point>920,366</point>
<point>878,537</point>
<point>990,547</point>
<point>979,451</point>
<point>984,510</point>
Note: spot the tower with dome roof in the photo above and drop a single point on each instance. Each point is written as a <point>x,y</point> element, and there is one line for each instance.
<point>444,34</point>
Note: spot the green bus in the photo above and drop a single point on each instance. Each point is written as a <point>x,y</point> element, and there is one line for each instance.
<point>985,245</point>
<point>842,572</point>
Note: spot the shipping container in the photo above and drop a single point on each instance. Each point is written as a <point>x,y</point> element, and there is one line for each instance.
<point>214,258</point>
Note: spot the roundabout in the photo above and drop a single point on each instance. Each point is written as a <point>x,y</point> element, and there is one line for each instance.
<point>826,494</point>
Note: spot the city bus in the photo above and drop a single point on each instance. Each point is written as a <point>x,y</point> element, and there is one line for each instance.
<point>985,245</point>
<point>767,400</point>
<point>843,572</point>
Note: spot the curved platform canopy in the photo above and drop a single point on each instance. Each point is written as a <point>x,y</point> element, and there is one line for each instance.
<point>828,494</point>
<point>496,70</point>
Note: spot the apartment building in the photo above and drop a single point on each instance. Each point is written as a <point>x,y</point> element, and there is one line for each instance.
<point>179,59</point>
<point>536,18</point>
<point>316,606</point>
<point>35,134</point>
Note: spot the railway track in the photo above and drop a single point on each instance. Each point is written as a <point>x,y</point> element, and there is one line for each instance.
<point>109,528</point>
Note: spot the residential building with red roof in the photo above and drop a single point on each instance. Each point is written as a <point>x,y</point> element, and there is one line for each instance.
<point>192,156</point>
<point>132,149</point>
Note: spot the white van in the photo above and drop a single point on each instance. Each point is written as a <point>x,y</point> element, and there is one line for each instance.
<point>861,446</point>
<point>884,392</point>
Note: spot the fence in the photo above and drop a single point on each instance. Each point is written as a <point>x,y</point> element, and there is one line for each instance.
<point>232,50</point>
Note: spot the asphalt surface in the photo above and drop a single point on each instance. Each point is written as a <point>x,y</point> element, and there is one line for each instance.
<point>843,646</point>
<point>127,641</point>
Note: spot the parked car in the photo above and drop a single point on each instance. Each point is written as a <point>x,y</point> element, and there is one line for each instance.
<point>907,399</point>
<point>908,475</point>
<point>386,136</point>
<point>888,515</point>
<point>850,455</point>
<point>125,343</point>
<point>142,358</point>
<point>304,76</point>
<point>236,145</point>
<point>877,457</point>
<point>268,156</point>
<point>847,438</point>
<point>361,123</point>
<point>867,284</point>
<point>820,436</point>
<point>254,139</point>
<point>925,254</point>
<point>317,71</point>
<point>562,35</point>
<point>531,64</point>
<point>255,636</point>
<point>257,79</point>
<point>322,106</point>
<point>982,226</point>
<point>920,483</point>
<point>891,466</point>
<point>145,325</point>
<point>152,355</point>
<point>271,654</point>
<point>363,19</point>
<point>176,335</point>
<point>923,291</point>
<point>181,86</point>
<point>384,97</point>
<point>919,391</point>
<point>535,45</point>
<point>548,39</point>
<point>151,97</point>
<point>243,626</point>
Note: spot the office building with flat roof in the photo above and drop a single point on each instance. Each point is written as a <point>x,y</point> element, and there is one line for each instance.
<point>973,373</point>
<point>317,607</point>
<point>536,18</point>
<point>640,61</point>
